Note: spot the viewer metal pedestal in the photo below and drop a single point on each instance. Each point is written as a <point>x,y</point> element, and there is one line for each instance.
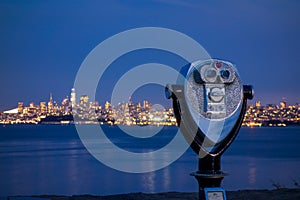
<point>209,179</point>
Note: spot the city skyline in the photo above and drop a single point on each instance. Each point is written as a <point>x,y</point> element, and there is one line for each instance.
<point>83,111</point>
<point>44,43</point>
<point>74,98</point>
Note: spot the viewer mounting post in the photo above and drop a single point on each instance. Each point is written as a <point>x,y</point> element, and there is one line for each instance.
<point>209,103</point>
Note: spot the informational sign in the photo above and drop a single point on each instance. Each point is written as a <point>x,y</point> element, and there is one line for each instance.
<point>214,194</point>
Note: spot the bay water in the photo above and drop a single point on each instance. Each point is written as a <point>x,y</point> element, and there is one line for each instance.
<point>51,159</point>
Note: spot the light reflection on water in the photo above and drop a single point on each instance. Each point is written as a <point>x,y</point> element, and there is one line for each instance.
<point>52,160</point>
<point>252,172</point>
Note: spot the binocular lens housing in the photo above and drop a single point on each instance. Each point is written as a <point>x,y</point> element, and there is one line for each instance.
<point>209,104</point>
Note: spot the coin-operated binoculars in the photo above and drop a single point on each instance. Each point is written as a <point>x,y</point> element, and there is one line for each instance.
<point>209,103</point>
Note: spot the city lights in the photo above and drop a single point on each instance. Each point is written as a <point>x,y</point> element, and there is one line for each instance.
<point>129,113</point>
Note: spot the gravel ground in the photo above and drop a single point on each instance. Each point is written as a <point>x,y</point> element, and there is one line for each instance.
<point>280,194</point>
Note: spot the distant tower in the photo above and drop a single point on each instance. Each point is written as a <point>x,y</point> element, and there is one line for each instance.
<point>73,97</point>
<point>50,104</point>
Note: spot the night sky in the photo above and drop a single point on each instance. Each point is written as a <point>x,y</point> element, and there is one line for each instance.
<point>43,43</point>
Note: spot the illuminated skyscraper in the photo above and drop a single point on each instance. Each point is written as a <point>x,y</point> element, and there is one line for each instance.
<point>138,107</point>
<point>32,108</point>
<point>107,105</point>
<point>73,97</point>
<point>43,108</point>
<point>83,101</point>
<point>50,104</point>
<point>146,105</point>
<point>20,107</point>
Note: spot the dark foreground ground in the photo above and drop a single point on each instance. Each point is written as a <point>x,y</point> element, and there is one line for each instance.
<point>280,194</point>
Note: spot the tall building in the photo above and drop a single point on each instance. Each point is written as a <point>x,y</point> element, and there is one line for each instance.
<point>73,97</point>
<point>83,101</point>
<point>43,107</point>
<point>64,108</point>
<point>32,109</point>
<point>20,107</point>
<point>146,104</point>
<point>50,104</point>
<point>138,107</point>
<point>107,105</point>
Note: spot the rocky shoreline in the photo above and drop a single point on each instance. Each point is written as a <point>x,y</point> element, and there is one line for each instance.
<point>278,194</point>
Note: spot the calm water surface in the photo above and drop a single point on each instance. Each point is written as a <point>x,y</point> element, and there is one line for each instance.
<point>50,159</point>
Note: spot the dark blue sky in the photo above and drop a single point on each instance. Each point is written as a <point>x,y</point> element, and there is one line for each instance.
<point>43,43</point>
